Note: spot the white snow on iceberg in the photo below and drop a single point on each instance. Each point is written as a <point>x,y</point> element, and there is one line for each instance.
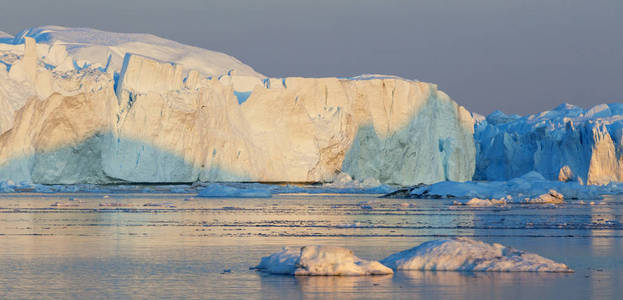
<point>463,254</point>
<point>320,260</point>
<point>101,48</point>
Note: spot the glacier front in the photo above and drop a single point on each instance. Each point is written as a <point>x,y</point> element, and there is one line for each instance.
<point>151,118</point>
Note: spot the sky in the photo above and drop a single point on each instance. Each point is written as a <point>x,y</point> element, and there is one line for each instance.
<point>518,56</point>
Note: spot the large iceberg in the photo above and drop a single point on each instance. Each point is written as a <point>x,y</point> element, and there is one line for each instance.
<point>567,143</point>
<point>320,260</point>
<point>153,117</point>
<point>464,254</point>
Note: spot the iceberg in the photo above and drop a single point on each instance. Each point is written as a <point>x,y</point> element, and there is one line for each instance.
<point>320,260</point>
<point>146,116</point>
<point>567,143</point>
<point>468,255</point>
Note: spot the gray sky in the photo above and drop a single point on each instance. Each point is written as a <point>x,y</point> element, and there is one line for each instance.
<point>519,56</point>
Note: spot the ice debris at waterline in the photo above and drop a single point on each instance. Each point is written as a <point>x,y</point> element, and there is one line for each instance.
<point>551,197</point>
<point>220,190</point>
<point>86,106</point>
<point>230,189</point>
<point>463,254</point>
<point>477,202</point>
<point>344,185</point>
<point>320,260</point>
<point>567,143</point>
<point>530,188</point>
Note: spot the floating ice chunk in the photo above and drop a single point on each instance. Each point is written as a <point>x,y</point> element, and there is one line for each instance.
<point>64,204</point>
<point>7,187</point>
<point>164,204</point>
<point>282,262</point>
<point>220,190</point>
<point>551,197</point>
<point>113,204</point>
<point>320,260</point>
<point>531,186</point>
<point>463,254</point>
<point>486,202</point>
<point>347,184</point>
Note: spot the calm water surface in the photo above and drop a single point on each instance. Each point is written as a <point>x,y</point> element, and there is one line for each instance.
<point>146,245</point>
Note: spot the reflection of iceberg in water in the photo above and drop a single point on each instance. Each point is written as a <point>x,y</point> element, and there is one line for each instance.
<point>603,247</point>
<point>347,287</point>
<point>457,285</point>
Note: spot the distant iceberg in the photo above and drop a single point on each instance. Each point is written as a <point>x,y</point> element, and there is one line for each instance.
<point>468,255</point>
<point>567,143</point>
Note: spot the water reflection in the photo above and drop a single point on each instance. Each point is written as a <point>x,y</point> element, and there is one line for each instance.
<point>180,249</point>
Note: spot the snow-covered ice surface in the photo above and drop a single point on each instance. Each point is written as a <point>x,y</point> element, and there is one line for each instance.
<point>468,255</point>
<point>88,46</point>
<point>320,260</point>
<point>529,188</point>
<point>567,143</point>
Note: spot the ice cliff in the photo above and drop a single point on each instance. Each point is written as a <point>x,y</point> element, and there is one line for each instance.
<point>567,143</point>
<point>174,113</point>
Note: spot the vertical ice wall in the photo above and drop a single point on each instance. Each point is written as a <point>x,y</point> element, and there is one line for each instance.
<point>566,143</point>
<point>162,124</point>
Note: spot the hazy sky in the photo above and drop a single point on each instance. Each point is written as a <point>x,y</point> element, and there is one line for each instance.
<point>519,56</point>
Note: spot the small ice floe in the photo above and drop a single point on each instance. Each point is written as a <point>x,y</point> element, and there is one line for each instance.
<point>551,197</point>
<point>223,191</point>
<point>164,204</point>
<point>113,204</point>
<point>320,260</point>
<point>64,204</point>
<point>407,205</point>
<point>463,254</point>
<point>477,202</point>
<point>344,183</point>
